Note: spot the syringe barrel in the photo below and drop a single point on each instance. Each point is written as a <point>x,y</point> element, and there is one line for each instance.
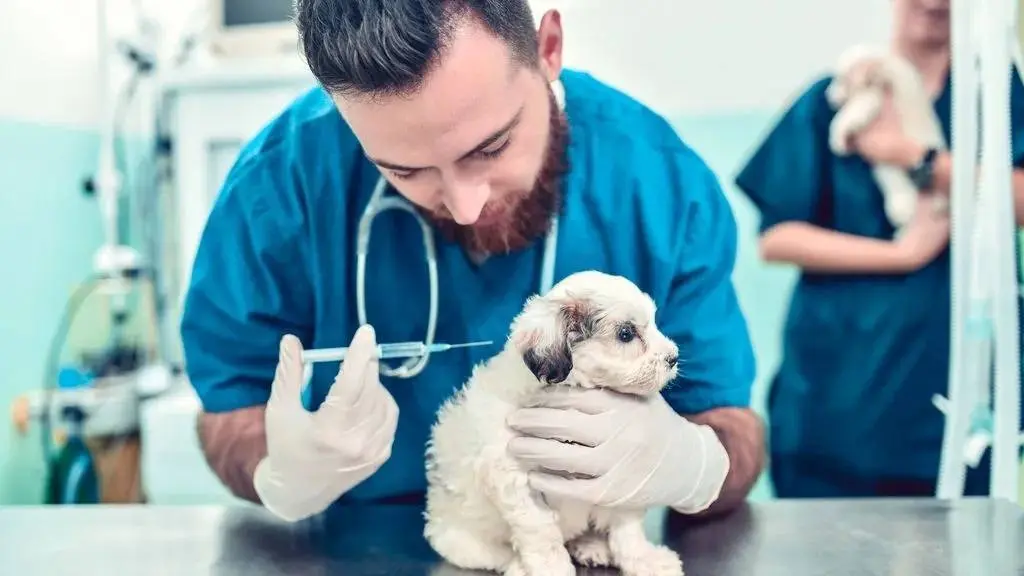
<point>324,355</point>
<point>401,350</point>
<point>384,352</point>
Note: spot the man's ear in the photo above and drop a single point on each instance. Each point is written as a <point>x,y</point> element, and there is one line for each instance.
<point>549,38</point>
<point>546,331</point>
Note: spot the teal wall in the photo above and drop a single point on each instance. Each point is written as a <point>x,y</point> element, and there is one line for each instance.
<point>724,141</point>
<point>49,230</point>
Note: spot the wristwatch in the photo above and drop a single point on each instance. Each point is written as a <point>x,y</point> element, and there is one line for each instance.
<point>923,173</point>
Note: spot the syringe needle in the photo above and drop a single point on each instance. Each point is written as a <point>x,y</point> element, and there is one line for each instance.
<point>468,344</point>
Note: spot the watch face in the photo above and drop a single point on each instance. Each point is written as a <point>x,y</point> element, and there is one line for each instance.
<point>921,175</point>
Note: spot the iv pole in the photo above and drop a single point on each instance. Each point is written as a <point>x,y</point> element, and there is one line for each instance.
<point>983,408</point>
<point>114,259</point>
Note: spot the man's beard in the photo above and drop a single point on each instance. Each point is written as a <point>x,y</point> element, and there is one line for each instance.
<point>529,216</point>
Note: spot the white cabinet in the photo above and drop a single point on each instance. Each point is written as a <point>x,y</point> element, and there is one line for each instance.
<point>212,110</point>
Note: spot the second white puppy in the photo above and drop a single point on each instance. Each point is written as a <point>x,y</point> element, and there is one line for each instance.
<point>864,77</point>
<point>591,330</point>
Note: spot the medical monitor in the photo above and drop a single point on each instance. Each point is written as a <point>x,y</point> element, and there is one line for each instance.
<point>252,28</point>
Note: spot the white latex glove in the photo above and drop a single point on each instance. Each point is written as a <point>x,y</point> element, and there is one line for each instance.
<point>627,451</point>
<point>315,457</point>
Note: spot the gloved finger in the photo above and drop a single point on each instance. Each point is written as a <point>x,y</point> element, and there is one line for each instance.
<point>565,425</point>
<point>352,423</point>
<point>386,426</point>
<point>587,401</point>
<point>361,436</point>
<point>557,456</point>
<point>581,489</point>
<point>286,389</point>
<point>357,371</point>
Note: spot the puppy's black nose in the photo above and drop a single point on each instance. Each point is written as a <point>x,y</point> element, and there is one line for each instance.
<point>671,360</point>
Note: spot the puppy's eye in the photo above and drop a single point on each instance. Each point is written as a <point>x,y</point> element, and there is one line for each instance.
<point>626,334</point>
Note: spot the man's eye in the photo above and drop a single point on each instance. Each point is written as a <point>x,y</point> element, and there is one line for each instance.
<point>493,152</point>
<point>402,175</point>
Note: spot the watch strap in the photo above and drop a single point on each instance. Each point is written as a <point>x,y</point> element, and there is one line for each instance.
<point>923,173</point>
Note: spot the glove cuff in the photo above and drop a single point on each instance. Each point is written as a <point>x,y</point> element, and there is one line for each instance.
<point>711,477</point>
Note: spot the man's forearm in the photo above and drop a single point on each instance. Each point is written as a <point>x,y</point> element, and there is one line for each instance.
<point>742,434</point>
<point>233,444</point>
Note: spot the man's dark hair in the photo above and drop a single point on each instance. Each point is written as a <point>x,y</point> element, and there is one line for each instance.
<point>389,46</point>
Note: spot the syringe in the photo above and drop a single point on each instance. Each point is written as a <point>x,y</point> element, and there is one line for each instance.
<point>386,351</point>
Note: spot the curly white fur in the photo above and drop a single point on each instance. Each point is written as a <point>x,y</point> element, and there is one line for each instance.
<point>481,513</point>
<point>864,75</point>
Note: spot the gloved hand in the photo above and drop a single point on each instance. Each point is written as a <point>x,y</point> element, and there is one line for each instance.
<point>315,457</point>
<point>627,451</point>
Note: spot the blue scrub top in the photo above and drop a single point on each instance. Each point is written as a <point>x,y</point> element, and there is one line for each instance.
<point>277,256</point>
<point>862,354</point>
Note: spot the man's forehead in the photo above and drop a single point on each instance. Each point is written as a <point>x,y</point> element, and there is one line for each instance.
<point>475,88</point>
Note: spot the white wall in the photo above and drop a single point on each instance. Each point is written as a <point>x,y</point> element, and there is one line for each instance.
<point>686,56</point>
<point>679,56</point>
<point>49,67</point>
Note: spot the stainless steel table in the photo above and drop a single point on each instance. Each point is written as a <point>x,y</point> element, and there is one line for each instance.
<point>972,537</point>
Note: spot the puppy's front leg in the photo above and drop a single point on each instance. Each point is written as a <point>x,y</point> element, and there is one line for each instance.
<point>633,553</point>
<point>853,117</point>
<point>536,537</point>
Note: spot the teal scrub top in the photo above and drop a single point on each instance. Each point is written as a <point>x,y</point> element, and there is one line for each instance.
<point>278,256</point>
<point>862,354</point>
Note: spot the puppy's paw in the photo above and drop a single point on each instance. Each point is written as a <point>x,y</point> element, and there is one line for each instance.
<point>838,141</point>
<point>899,208</point>
<point>550,563</point>
<point>591,550</point>
<point>515,568</point>
<point>651,561</point>
<point>467,549</point>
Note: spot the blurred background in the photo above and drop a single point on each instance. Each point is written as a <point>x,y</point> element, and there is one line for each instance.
<point>183,105</point>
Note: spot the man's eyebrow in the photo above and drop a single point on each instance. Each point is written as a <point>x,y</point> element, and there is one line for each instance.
<point>496,135</point>
<point>393,166</point>
<point>482,145</point>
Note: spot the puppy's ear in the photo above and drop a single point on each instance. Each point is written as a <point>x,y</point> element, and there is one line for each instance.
<point>546,331</point>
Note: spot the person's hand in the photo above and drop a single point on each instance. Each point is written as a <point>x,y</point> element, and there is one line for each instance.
<point>315,457</point>
<point>926,235</point>
<point>884,141</point>
<point>610,449</point>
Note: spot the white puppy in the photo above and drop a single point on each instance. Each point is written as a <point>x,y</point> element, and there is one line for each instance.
<point>863,78</point>
<point>592,330</point>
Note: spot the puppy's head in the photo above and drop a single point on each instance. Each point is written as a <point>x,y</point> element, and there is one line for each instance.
<point>594,330</point>
<point>860,69</point>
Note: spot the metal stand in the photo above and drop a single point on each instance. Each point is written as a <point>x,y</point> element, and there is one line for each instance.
<point>983,408</point>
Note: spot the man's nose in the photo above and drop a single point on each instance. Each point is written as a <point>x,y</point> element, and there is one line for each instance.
<point>465,200</point>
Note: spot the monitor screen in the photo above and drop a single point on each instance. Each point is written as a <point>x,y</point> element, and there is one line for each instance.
<point>251,12</point>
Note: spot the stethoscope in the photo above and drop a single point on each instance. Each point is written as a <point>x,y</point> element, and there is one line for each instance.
<point>379,203</point>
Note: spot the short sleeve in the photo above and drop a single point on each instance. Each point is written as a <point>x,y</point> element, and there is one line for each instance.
<point>247,289</point>
<point>701,312</point>
<point>1017,118</point>
<point>783,177</point>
